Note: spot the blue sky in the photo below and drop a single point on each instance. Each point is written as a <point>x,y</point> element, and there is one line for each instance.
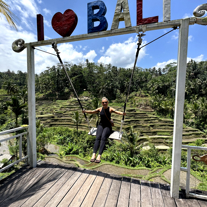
<point>117,50</point>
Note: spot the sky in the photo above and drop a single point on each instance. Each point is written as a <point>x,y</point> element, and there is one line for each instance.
<point>117,50</point>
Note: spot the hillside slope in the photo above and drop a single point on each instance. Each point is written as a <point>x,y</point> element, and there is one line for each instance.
<point>152,128</point>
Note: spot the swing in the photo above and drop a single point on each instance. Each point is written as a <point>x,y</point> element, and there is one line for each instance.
<point>115,134</point>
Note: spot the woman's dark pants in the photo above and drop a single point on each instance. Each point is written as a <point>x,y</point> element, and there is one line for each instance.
<point>101,135</point>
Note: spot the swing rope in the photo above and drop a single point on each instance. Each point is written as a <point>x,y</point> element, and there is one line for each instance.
<point>140,35</point>
<point>54,46</point>
<point>136,58</point>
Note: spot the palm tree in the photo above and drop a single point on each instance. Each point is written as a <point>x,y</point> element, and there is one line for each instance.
<point>10,87</point>
<point>130,141</point>
<point>4,9</point>
<point>76,119</point>
<point>16,108</point>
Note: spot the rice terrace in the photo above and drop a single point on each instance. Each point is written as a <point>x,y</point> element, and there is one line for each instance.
<point>91,116</point>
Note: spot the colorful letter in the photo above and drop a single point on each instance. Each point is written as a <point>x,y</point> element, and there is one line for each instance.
<point>40,28</point>
<point>99,16</point>
<point>121,16</point>
<point>140,20</point>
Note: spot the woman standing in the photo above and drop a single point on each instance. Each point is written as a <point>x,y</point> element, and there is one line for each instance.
<point>104,128</point>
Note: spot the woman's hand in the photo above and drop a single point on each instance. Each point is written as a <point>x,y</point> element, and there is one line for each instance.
<point>124,114</point>
<point>83,111</point>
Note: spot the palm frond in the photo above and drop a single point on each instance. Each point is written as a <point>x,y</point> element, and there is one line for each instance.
<point>4,9</point>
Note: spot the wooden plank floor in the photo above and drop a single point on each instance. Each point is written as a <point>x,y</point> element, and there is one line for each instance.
<point>57,185</point>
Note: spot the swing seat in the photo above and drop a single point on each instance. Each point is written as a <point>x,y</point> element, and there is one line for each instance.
<point>115,134</point>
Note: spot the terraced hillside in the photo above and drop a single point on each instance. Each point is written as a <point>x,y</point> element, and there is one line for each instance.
<point>152,128</point>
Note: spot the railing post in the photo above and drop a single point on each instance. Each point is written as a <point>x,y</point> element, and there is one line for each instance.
<point>32,154</point>
<point>179,107</point>
<point>188,172</point>
<point>20,147</point>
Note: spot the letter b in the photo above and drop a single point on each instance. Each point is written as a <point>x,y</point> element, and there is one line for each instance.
<point>99,16</point>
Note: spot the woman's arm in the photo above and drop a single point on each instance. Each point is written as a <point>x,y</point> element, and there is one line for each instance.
<point>117,112</point>
<point>91,112</point>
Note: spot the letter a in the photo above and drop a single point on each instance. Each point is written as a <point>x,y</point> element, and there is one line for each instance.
<point>121,16</point>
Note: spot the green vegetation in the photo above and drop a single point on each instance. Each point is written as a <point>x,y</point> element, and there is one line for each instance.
<point>148,128</point>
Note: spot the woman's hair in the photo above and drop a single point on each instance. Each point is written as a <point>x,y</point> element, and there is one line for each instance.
<point>105,98</point>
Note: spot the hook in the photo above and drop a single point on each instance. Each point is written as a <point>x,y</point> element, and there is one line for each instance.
<point>54,46</point>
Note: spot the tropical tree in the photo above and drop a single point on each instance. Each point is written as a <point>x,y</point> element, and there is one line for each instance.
<point>23,94</point>
<point>130,141</point>
<point>16,108</point>
<point>76,119</point>
<point>95,104</point>
<point>10,87</point>
<point>4,9</point>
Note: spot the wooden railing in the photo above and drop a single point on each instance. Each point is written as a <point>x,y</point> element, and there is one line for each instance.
<point>187,169</point>
<point>20,144</point>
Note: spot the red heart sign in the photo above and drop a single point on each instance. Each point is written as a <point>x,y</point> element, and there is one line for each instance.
<point>64,24</point>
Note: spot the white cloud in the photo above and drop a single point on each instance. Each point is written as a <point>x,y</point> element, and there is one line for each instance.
<point>163,64</point>
<point>24,10</point>
<point>18,61</point>
<point>46,11</point>
<point>90,55</point>
<point>85,47</point>
<point>122,54</point>
<point>47,23</point>
<point>187,15</point>
<point>8,58</point>
<point>27,8</point>
<point>67,54</point>
<point>102,49</point>
<point>39,1</point>
<point>190,38</point>
<point>175,36</point>
<point>197,59</point>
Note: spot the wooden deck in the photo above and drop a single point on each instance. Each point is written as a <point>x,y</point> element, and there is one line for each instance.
<point>56,185</point>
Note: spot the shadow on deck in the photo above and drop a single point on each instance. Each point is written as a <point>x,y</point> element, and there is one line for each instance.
<point>58,185</point>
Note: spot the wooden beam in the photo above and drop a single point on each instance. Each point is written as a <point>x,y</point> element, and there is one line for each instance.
<point>109,33</point>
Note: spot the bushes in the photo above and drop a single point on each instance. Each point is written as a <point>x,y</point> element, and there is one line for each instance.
<point>3,119</point>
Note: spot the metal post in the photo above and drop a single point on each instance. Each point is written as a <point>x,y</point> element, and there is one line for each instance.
<point>20,147</point>
<point>32,154</point>
<point>188,172</point>
<point>179,107</point>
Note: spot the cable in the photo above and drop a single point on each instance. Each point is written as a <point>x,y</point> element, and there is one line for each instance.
<point>135,62</point>
<point>54,46</point>
<point>159,37</point>
<point>44,51</point>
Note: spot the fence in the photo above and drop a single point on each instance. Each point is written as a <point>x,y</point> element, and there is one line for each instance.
<point>20,144</point>
<point>188,193</point>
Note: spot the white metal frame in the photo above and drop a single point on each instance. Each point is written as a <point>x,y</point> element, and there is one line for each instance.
<point>189,148</point>
<point>180,91</point>
<point>180,86</point>
<point>179,107</point>
<point>20,144</point>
